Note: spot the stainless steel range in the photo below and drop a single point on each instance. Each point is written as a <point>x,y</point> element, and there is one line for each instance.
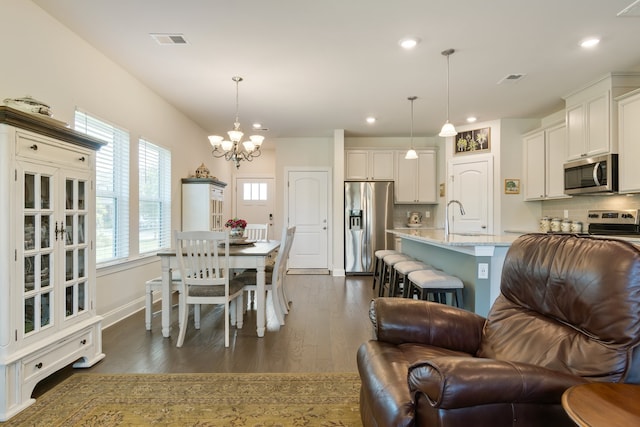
<point>624,222</point>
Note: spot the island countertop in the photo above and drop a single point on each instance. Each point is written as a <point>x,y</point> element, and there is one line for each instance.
<point>457,241</point>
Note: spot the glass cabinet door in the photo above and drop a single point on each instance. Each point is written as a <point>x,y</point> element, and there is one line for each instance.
<point>76,248</point>
<point>37,260</point>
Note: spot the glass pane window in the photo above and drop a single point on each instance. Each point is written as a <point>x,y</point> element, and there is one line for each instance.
<point>154,166</point>
<point>255,191</point>
<point>112,188</point>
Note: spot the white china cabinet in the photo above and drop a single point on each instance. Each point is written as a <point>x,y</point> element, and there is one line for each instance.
<point>48,314</point>
<point>202,201</point>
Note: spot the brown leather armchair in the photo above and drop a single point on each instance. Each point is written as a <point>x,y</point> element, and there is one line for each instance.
<point>568,313</point>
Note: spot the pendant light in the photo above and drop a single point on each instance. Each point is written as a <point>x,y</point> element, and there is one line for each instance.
<point>411,154</point>
<point>448,129</point>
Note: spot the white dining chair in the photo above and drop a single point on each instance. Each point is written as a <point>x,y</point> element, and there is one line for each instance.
<point>256,232</point>
<point>204,271</point>
<point>275,279</point>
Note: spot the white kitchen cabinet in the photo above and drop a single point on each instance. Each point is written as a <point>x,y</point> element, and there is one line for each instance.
<point>369,165</point>
<point>48,317</point>
<point>591,115</point>
<point>202,201</point>
<point>544,154</point>
<point>415,180</point>
<point>629,148</point>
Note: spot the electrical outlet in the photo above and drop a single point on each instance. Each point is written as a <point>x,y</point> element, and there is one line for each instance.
<point>427,214</point>
<point>566,213</point>
<point>483,270</point>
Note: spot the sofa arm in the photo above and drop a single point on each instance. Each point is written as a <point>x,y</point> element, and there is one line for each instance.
<point>458,382</point>
<point>401,320</point>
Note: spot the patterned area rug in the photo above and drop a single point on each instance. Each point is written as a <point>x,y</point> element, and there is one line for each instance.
<point>197,400</point>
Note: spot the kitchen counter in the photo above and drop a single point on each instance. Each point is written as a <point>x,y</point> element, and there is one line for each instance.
<point>476,259</point>
<point>435,236</point>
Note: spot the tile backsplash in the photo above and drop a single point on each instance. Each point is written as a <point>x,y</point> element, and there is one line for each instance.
<point>578,206</point>
<point>400,214</point>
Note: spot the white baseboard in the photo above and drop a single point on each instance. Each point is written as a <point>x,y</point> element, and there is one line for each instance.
<point>122,313</point>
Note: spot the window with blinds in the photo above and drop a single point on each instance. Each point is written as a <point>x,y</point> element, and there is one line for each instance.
<point>112,187</point>
<point>154,166</point>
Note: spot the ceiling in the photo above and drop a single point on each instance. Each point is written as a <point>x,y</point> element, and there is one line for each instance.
<point>310,67</point>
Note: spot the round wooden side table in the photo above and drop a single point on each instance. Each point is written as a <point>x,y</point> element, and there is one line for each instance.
<point>603,404</point>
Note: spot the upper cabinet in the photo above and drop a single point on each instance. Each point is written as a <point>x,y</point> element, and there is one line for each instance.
<point>591,115</point>
<point>629,148</point>
<point>369,165</point>
<point>415,180</point>
<point>544,153</point>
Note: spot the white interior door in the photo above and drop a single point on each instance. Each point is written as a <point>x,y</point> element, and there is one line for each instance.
<point>255,202</point>
<point>308,210</point>
<point>470,183</point>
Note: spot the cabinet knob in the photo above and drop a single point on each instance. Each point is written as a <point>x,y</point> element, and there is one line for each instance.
<point>39,365</point>
<point>83,342</point>
<point>82,159</point>
<point>34,147</point>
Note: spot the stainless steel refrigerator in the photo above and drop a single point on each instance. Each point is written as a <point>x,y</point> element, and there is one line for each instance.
<point>368,212</point>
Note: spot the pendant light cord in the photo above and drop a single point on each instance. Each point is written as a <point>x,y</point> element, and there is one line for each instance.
<point>412,98</point>
<point>448,86</point>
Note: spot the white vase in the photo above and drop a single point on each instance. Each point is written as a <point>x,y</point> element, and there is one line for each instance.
<point>236,233</point>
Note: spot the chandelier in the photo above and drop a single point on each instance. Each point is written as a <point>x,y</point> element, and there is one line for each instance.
<point>232,149</point>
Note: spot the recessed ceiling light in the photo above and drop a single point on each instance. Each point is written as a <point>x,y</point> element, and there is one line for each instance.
<point>371,120</point>
<point>471,119</point>
<point>409,42</point>
<point>590,42</point>
<point>257,125</point>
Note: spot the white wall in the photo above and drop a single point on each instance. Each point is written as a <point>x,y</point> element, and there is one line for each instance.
<point>44,59</point>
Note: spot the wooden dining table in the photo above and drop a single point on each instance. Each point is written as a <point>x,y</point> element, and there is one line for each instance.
<point>244,256</point>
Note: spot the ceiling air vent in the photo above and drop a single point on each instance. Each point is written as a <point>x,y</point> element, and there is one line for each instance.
<point>165,39</point>
<point>511,78</point>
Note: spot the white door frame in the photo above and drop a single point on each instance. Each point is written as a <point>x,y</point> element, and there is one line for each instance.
<point>328,170</point>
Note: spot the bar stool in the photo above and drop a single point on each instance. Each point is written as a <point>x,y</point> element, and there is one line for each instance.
<point>399,273</point>
<point>438,283</point>
<point>377,266</point>
<point>387,267</point>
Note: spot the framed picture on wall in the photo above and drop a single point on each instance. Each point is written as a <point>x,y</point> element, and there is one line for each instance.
<point>473,141</point>
<point>511,186</point>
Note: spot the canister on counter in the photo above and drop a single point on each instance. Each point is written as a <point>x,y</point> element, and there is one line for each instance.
<point>576,227</point>
<point>556,225</point>
<point>545,224</point>
<point>565,226</point>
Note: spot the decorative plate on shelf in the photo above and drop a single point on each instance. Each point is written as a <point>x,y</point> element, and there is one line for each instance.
<point>414,225</point>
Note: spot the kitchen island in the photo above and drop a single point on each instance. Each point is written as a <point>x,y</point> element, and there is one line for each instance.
<point>475,258</point>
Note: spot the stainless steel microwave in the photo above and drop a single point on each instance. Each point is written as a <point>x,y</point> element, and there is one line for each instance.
<point>592,175</point>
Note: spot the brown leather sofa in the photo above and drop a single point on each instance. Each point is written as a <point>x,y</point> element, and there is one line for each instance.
<point>568,313</point>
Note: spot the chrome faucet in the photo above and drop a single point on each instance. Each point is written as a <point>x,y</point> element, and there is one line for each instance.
<point>446,216</point>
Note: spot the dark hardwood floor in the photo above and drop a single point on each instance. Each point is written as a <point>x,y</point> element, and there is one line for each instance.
<point>327,323</point>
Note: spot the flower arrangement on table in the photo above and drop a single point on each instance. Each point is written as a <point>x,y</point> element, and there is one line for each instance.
<point>237,226</point>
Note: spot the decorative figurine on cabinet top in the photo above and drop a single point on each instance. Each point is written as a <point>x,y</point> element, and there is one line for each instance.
<point>202,171</point>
